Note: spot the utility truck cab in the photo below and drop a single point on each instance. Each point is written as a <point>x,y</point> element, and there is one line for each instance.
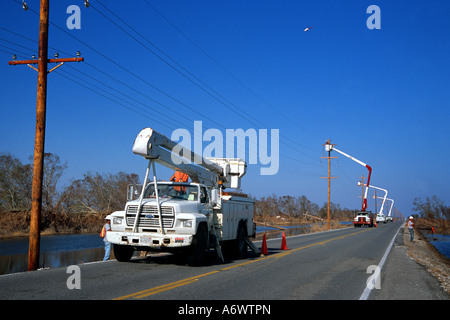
<point>184,218</point>
<point>179,203</point>
<point>363,218</point>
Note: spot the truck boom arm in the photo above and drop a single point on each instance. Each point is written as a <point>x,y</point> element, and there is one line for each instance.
<point>392,204</point>
<point>330,147</point>
<point>385,195</point>
<point>155,146</point>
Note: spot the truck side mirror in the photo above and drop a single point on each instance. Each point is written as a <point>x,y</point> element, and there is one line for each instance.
<point>214,197</point>
<point>130,192</point>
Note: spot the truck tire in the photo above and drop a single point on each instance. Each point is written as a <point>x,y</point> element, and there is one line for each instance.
<point>198,246</point>
<point>123,253</point>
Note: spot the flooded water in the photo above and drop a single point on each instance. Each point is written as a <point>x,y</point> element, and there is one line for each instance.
<point>441,242</point>
<point>56,251</point>
<point>272,232</point>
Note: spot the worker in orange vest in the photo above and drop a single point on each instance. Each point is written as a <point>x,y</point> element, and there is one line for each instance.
<point>105,229</point>
<point>179,176</point>
<point>410,225</point>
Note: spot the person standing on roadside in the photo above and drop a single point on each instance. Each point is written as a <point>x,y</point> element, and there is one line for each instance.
<point>105,229</point>
<point>410,225</point>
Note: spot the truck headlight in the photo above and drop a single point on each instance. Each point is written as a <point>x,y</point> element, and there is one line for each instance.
<point>117,220</point>
<point>185,223</point>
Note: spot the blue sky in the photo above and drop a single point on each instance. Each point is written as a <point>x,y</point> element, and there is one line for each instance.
<point>381,95</point>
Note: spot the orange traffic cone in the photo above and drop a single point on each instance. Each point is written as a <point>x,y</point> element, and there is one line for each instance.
<point>283,243</point>
<point>264,246</point>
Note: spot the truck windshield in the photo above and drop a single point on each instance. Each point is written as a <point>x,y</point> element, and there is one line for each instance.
<point>176,191</point>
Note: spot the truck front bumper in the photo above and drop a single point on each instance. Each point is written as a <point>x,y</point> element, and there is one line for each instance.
<point>145,241</point>
<point>361,222</point>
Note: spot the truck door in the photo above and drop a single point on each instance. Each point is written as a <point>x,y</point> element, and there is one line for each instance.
<point>205,205</point>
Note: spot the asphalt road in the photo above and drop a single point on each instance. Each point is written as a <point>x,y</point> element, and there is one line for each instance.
<point>328,265</point>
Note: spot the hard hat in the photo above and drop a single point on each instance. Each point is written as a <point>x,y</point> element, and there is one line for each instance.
<point>411,217</point>
<point>108,217</point>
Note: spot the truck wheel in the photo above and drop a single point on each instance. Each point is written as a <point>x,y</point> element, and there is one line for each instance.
<point>123,253</point>
<point>198,246</point>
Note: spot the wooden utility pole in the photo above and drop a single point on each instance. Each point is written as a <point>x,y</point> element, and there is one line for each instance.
<point>38,160</point>
<point>362,190</point>
<point>329,181</point>
<point>375,197</point>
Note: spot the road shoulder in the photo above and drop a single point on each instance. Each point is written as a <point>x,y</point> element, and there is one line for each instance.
<point>413,271</point>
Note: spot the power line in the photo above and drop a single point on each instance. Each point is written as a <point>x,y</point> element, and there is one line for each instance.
<point>125,69</point>
<point>16,44</point>
<point>98,52</point>
<point>13,50</point>
<point>225,70</point>
<point>242,84</point>
<point>173,67</point>
<point>111,77</point>
<point>155,114</point>
<point>105,92</point>
<point>82,84</point>
<point>240,114</point>
<point>175,99</point>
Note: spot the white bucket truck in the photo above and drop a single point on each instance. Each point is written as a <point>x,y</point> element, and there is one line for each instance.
<point>381,218</point>
<point>184,218</point>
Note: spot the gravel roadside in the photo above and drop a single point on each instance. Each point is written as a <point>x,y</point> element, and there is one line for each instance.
<point>427,255</point>
<point>414,271</point>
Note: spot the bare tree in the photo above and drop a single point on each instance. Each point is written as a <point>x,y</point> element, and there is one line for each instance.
<point>98,193</point>
<point>16,181</point>
<point>53,170</point>
<point>432,208</point>
<point>15,184</point>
